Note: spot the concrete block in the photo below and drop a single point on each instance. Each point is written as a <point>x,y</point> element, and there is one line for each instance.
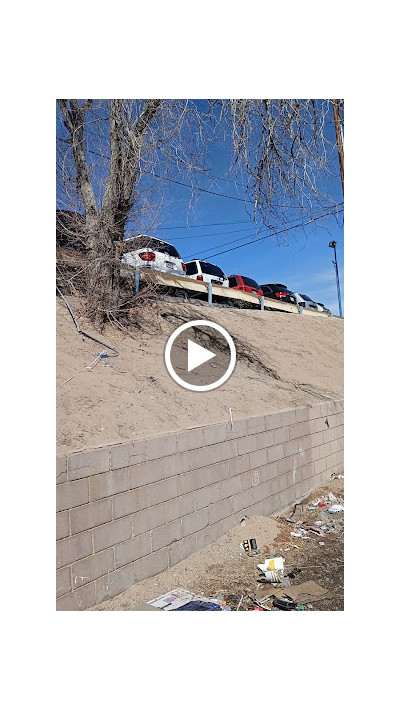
<point>131,502</point>
<point>61,470</point>
<point>247,444</point>
<point>163,490</point>
<point>209,535</point>
<point>151,565</point>
<point>126,455</point>
<point>317,438</point>
<point>220,510</point>
<point>288,417</point>
<point>91,515</point>
<point>256,424</point>
<point>281,435</point>
<point>182,549</point>
<point>153,471</point>
<point>290,448</point>
<point>63,581</point>
<point>274,504</point>
<point>239,429</point>
<point>129,551</point>
<point>114,482</point>
<point>111,533</point>
<point>206,496</point>
<point>165,535</point>
<point>275,453</point>
<point>265,439</point>
<point>215,434</point>
<point>72,493</point>
<point>88,569</point>
<point>89,463</point>
<point>258,458</point>
<point>159,447</point>
<point>319,466</point>
<point>298,430</point>
<point>148,519</point>
<point>250,479</point>
<point>240,464</point>
<point>190,439</point>
<point>180,506</point>
<point>302,414</point>
<point>273,421</point>
<point>287,464</point>
<point>229,487</point>
<point>62,525</point>
<point>241,500</point>
<point>114,583</point>
<point>206,476</point>
<point>194,522</point>
<point>287,497</point>
<point>268,471</point>
<point>224,451</point>
<point>79,599</point>
<point>73,548</point>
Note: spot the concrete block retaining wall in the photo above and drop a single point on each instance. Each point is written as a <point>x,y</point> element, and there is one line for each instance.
<point>126,512</point>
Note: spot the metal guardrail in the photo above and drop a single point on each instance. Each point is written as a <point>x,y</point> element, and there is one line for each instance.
<point>188,284</point>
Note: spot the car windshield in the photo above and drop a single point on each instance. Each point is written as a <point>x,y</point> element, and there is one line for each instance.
<point>306,298</point>
<point>144,242</point>
<point>208,268</point>
<point>250,282</point>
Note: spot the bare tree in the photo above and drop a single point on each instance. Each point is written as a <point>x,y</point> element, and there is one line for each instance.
<point>111,155</point>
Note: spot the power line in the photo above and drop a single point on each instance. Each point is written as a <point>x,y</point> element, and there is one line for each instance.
<point>272,234</point>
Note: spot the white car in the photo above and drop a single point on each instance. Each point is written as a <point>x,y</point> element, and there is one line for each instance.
<point>299,299</point>
<point>152,253</point>
<point>310,304</point>
<point>204,271</point>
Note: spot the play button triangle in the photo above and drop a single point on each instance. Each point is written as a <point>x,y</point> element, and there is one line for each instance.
<point>197,355</point>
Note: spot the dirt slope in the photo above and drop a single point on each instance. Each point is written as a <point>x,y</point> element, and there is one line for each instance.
<point>285,360</point>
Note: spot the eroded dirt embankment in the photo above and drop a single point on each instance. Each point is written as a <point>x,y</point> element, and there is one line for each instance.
<point>284,360</point>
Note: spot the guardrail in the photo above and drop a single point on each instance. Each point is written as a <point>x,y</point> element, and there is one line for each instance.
<point>187,284</point>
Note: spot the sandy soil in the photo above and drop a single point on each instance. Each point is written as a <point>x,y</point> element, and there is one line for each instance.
<point>285,360</point>
<point>223,567</point>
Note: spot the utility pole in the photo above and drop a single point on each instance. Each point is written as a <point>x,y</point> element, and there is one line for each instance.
<point>333,245</point>
<point>339,138</point>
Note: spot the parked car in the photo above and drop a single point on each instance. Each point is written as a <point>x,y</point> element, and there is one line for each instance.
<point>299,299</point>
<point>310,304</point>
<point>152,253</point>
<point>278,291</point>
<point>244,284</point>
<point>205,271</point>
<point>324,308</point>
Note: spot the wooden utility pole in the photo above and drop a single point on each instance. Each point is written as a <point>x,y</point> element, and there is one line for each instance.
<point>339,138</point>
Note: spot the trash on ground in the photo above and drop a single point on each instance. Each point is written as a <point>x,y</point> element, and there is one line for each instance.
<point>180,599</point>
<point>336,508</point>
<point>250,547</point>
<point>314,529</point>
<point>284,603</point>
<point>272,564</point>
<point>307,592</point>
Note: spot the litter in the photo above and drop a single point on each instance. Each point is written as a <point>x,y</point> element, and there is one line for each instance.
<point>180,599</point>
<point>284,603</point>
<point>336,508</point>
<point>250,547</point>
<point>272,564</point>
<point>321,543</point>
<point>307,592</point>
<point>314,529</point>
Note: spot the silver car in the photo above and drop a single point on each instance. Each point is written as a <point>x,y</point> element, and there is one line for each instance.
<point>152,253</point>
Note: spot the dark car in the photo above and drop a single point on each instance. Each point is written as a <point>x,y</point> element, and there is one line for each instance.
<point>278,291</point>
<point>236,281</point>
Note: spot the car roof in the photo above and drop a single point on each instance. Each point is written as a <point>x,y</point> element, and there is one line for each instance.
<point>157,239</point>
<point>275,284</point>
<point>205,261</point>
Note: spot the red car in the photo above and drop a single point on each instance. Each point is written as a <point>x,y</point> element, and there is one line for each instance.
<point>245,284</point>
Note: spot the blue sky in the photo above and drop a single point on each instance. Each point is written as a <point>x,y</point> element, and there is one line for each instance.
<point>299,258</point>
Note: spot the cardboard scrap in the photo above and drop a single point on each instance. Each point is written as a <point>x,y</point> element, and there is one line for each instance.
<point>306,592</point>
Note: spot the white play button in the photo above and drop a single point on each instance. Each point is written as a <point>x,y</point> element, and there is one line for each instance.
<point>197,355</point>
<point>186,350</point>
